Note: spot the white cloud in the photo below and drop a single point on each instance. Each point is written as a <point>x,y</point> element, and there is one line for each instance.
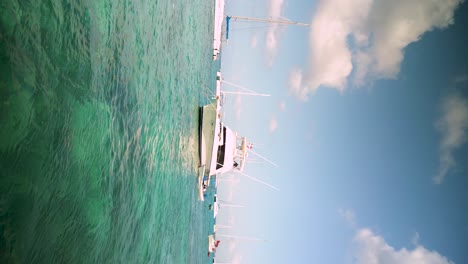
<point>372,249</point>
<point>453,125</point>
<point>348,215</point>
<point>273,124</point>
<point>275,31</point>
<point>363,40</point>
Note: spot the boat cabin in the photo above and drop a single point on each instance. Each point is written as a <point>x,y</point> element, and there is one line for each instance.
<point>231,153</point>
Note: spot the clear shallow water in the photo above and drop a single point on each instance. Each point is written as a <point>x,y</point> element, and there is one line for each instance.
<point>98,130</point>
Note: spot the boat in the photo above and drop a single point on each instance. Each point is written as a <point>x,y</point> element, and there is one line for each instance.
<point>218,22</point>
<point>201,184</point>
<point>221,150</point>
<point>209,137</point>
<point>212,244</point>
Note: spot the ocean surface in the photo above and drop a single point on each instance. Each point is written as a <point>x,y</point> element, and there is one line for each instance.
<point>99,130</point>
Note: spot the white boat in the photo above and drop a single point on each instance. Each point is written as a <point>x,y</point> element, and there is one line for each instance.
<point>221,149</point>
<point>218,22</point>
<point>212,244</point>
<point>201,183</point>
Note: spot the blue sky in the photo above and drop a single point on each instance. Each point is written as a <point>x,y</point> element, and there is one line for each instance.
<point>368,121</point>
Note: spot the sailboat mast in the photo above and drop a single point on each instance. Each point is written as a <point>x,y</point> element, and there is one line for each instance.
<point>232,205</point>
<point>257,180</point>
<point>249,92</point>
<point>286,22</point>
<point>243,238</point>
<point>265,159</point>
<point>244,93</point>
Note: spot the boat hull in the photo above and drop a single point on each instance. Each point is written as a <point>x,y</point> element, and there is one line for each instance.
<point>211,243</point>
<point>209,131</point>
<point>201,187</point>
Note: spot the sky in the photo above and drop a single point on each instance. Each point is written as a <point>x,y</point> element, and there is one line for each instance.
<point>368,123</point>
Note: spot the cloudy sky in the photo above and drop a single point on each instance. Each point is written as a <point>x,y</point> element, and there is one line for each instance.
<point>368,122</point>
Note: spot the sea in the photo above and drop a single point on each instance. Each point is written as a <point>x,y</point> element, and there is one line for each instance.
<point>99,130</point>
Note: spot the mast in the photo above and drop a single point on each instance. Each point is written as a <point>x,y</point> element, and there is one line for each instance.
<point>249,92</point>
<point>264,20</point>
<point>222,226</point>
<point>265,159</point>
<point>257,180</point>
<point>231,205</point>
<point>284,21</point>
<point>244,93</point>
<point>243,238</point>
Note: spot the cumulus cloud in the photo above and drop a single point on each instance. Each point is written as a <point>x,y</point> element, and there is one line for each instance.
<point>362,40</point>
<point>273,124</point>
<point>372,249</point>
<point>453,125</point>
<point>275,31</point>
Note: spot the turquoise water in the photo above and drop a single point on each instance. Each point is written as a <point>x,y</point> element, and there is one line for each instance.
<point>98,130</point>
